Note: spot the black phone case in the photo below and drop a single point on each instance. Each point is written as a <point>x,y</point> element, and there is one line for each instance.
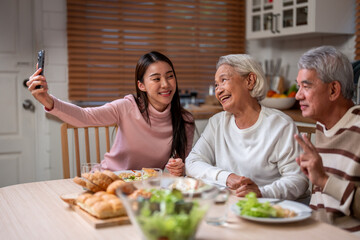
<point>41,61</point>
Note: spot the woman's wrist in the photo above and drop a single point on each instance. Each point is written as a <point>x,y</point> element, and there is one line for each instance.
<point>49,103</point>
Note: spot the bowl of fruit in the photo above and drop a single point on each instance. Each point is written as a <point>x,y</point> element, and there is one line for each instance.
<point>280,101</point>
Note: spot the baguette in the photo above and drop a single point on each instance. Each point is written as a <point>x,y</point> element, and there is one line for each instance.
<point>103,181</point>
<point>79,181</point>
<point>98,178</point>
<point>87,184</point>
<point>112,175</point>
<point>101,205</point>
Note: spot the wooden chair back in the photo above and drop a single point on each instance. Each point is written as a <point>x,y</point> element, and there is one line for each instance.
<point>65,133</point>
<point>306,129</point>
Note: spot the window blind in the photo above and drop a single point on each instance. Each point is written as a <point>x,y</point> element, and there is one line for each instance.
<point>107,37</point>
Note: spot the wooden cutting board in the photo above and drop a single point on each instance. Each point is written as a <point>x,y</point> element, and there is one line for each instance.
<point>95,222</point>
<point>99,223</point>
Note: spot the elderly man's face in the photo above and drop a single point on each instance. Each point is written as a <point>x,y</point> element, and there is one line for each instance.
<point>313,95</point>
<point>230,88</point>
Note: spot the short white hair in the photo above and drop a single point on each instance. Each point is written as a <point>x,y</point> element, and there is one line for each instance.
<point>330,65</point>
<point>245,64</point>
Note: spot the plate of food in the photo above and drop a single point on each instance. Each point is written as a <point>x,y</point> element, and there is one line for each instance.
<point>129,175</point>
<point>151,172</point>
<point>270,210</point>
<point>136,175</point>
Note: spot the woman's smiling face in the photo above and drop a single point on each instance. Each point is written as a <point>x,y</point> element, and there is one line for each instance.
<point>159,85</point>
<point>231,89</point>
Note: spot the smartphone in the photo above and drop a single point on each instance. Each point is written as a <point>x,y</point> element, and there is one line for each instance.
<point>41,61</point>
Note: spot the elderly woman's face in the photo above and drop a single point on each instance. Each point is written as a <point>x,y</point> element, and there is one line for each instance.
<point>231,89</point>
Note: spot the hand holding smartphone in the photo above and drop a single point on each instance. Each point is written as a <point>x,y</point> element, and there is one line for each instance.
<point>41,61</point>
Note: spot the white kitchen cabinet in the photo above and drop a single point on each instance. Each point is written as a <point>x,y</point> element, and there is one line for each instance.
<point>277,18</point>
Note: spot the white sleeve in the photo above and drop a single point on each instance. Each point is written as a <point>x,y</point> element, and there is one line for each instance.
<point>293,183</point>
<point>201,161</point>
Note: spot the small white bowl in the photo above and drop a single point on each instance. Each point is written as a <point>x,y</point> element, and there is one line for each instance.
<point>278,103</point>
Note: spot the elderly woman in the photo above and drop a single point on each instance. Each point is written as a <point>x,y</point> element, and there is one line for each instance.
<point>247,147</point>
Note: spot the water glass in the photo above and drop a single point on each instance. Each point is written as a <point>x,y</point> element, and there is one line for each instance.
<point>217,214</point>
<point>90,167</point>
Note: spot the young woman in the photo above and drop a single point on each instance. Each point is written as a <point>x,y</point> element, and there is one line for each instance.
<point>153,127</point>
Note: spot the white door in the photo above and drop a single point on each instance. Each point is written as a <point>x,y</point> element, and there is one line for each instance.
<point>17,125</point>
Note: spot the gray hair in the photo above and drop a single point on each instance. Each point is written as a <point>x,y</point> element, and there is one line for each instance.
<point>245,64</point>
<point>330,65</point>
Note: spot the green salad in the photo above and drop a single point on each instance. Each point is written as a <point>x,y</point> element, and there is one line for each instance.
<point>250,206</point>
<point>166,215</point>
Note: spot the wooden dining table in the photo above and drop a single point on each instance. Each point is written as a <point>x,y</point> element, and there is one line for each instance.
<point>36,211</point>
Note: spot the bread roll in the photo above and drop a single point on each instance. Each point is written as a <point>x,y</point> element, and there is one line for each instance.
<point>83,197</point>
<point>101,205</point>
<point>140,192</point>
<point>127,188</point>
<point>114,185</point>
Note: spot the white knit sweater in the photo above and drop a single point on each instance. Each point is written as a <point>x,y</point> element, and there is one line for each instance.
<point>264,152</point>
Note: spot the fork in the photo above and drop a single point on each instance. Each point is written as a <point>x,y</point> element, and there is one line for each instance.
<point>276,201</point>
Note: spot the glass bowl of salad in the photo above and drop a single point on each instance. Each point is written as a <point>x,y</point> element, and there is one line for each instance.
<point>171,210</point>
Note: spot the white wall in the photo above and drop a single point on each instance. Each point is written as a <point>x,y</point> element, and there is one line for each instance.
<point>50,17</point>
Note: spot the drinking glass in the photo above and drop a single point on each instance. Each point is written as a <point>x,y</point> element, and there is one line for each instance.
<point>90,167</point>
<point>217,214</point>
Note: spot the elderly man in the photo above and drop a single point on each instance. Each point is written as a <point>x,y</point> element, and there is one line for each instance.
<point>325,81</point>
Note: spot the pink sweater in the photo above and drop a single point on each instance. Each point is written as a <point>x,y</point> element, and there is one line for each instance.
<point>137,144</point>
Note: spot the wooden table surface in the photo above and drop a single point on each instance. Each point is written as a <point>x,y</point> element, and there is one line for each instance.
<point>35,211</point>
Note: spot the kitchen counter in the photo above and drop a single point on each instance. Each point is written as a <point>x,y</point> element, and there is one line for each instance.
<point>207,111</point>
<point>204,111</point>
<point>296,115</point>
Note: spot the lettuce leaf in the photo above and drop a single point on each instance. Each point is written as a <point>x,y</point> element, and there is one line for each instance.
<point>250,206</point>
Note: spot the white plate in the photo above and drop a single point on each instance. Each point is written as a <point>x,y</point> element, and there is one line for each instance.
<point>302,211</point>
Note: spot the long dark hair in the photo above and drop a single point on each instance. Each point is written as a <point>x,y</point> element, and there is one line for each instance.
<point>179,141</point>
